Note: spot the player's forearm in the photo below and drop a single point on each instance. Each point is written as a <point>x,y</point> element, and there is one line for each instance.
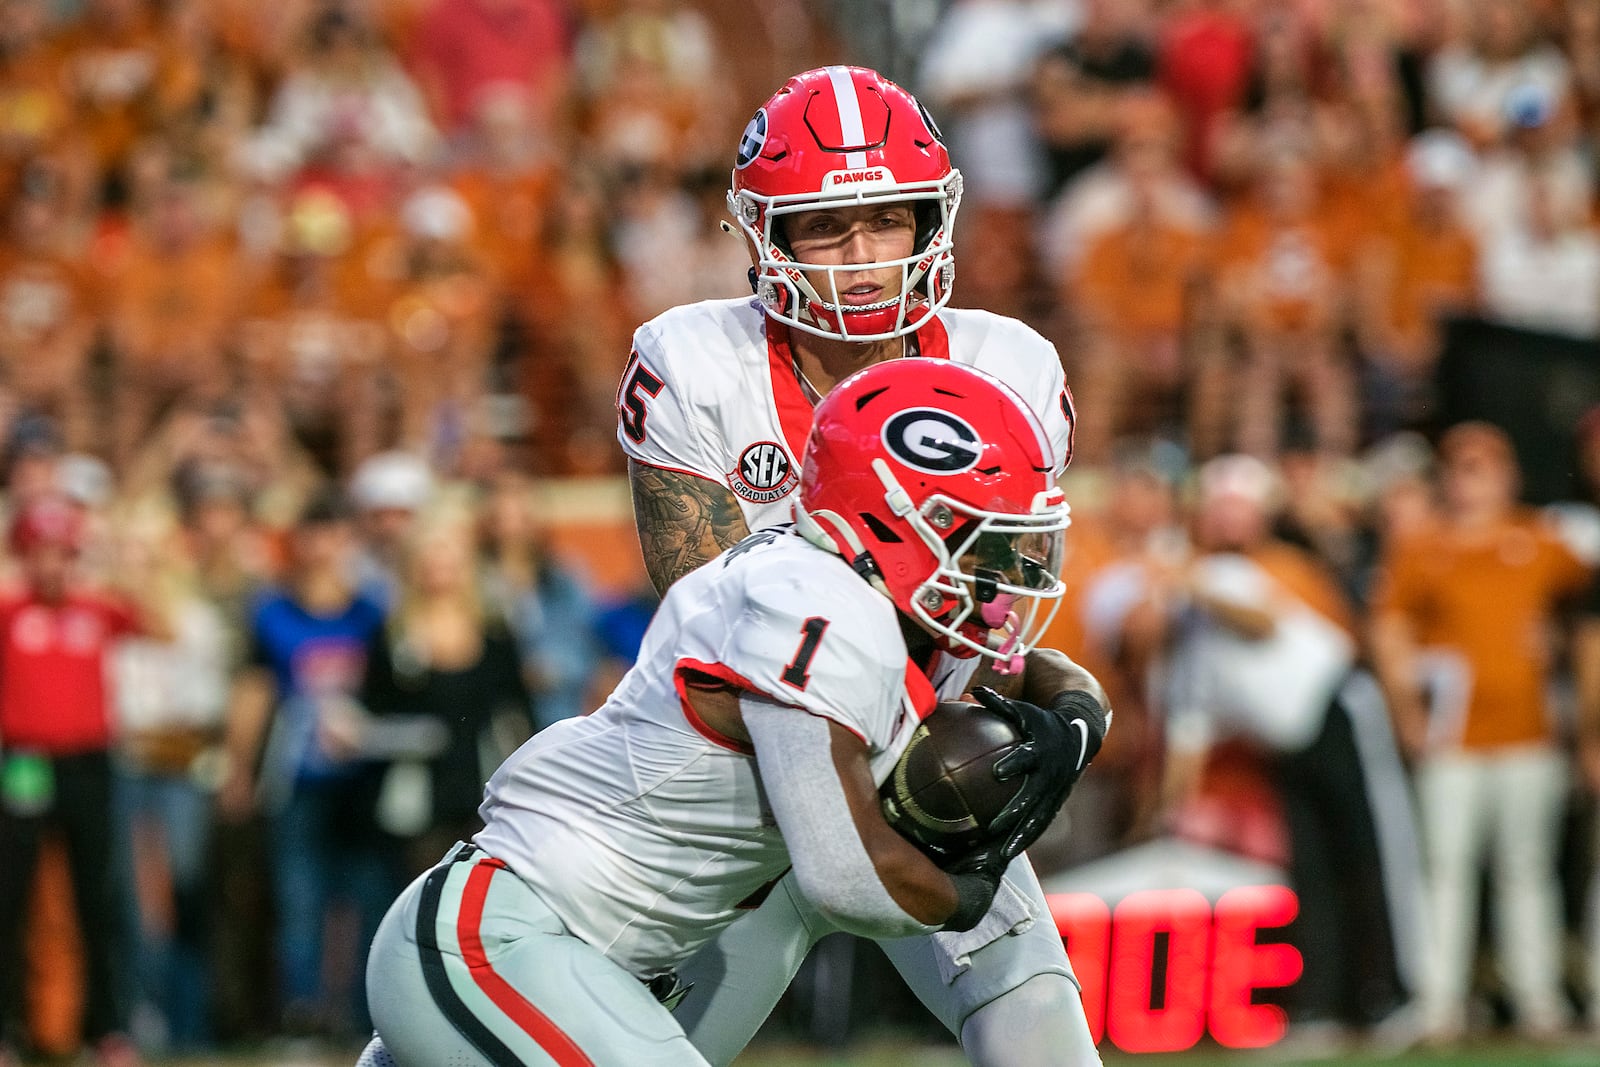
<point>684,521</point>
<point>1049,673</point>
<point>852,867</point>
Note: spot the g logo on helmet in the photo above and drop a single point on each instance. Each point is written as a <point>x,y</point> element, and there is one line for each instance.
<point>753,140</point>
<point>932,441</point>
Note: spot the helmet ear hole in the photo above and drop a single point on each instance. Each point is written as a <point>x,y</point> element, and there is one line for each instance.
<point>880,529</point>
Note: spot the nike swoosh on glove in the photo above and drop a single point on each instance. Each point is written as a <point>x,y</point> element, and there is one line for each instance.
<point>1058,744</point>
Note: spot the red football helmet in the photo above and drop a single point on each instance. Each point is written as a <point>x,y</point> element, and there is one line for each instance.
<point>933,480</point>
<point>845,135</point>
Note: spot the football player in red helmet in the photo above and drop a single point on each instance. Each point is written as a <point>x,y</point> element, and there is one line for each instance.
<point>845,194</point>
<point>775,692</point>
<point>847,197</point>
<point>956,519</point>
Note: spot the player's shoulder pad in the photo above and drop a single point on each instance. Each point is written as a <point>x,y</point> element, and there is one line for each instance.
<point>974,331</point>
<point>811,633</point>
<point>698,342</point>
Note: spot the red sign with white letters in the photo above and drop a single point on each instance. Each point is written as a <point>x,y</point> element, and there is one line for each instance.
<point>1164,967</point>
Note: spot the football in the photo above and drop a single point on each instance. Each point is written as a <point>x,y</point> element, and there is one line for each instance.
<point>943,792</point>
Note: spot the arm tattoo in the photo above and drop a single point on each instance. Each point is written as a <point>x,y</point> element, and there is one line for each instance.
<point>683,521</point>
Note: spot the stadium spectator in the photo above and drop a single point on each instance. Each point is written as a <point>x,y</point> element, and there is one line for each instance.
<point>1148,352</point>
<point>649,86</point>
<point>1079,86</point>
<point>56,736</point>
<point>291,750</point>
<point>1461,639</point>
<point>1472,80</point>
<point>579,327</point>
<point>975,71</point>
<point>171,696</point>
<point>441,320</point>
<point>109,63</point>
<point>389,490</point>
<point>1409,276</point>
<point>312,342</point>
<point>1116,573</point>
<point>665,218</point>
<point>1145,156</point>
<point>1204,60</point>
<point>506,175</point>
<point>34,113</point>
<point>549,607</point>
<point>1539,152</point>
<point>1543,273</point>
<point>176,300</point>
<point>1264,648</point>
<point>47,311</point>
<point>444,658</point>
<point>347,108</point>
<point>1282,279</point>
<point>464,51</point>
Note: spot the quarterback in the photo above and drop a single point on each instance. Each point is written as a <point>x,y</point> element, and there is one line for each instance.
<point>845,194</point>
<point>776,689</point>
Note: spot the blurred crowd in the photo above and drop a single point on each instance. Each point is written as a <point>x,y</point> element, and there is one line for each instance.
<point>298,302</point>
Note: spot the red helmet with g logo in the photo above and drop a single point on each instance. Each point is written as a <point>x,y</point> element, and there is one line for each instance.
<point>934,481</point>
<point>845,136</point>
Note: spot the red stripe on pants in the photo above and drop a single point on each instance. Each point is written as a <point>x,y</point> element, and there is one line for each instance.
<point>535,1023</point>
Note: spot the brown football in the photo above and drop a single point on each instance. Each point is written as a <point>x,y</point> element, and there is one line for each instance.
<point>943,792</point>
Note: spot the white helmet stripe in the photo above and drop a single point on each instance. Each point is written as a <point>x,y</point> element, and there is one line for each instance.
<point>850,131</point>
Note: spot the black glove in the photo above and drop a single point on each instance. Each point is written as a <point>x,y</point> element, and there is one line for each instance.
<point>1058,743</point>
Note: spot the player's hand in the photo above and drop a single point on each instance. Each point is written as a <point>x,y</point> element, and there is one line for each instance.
<point>1058,744</point>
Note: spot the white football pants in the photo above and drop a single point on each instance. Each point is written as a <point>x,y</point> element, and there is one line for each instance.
<point>471,968</point>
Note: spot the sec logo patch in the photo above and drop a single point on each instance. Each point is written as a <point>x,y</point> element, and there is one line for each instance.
<point>764,473</point>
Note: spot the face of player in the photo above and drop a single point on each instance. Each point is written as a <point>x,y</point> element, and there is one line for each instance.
<point>857,233</point>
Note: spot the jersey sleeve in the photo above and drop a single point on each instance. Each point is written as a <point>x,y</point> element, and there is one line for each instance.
<point>1059,415</point>
<point>1046,392</point>
<point>656,423</point>
<point>823,655</point>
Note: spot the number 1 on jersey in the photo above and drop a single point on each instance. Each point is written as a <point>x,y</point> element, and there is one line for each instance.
<point>798,672</point>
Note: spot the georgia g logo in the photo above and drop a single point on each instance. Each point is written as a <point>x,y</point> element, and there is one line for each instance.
<point>930,440</point>
<point>755,137</point>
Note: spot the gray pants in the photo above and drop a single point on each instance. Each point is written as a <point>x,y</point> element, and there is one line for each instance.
<point>738,978</point>
<point>471,968</point>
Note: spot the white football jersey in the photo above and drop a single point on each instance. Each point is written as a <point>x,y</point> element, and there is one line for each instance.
<point>711,390</point>
<point>646,830</point>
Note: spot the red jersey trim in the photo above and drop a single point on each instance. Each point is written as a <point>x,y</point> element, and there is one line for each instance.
<point>677,470</point>
<point>728,676</point>
<point>788,399</point>
<point>933,340</point>
<point>920,690</point>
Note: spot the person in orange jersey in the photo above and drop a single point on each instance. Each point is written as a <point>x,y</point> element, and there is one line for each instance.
<point>1463,613</point>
